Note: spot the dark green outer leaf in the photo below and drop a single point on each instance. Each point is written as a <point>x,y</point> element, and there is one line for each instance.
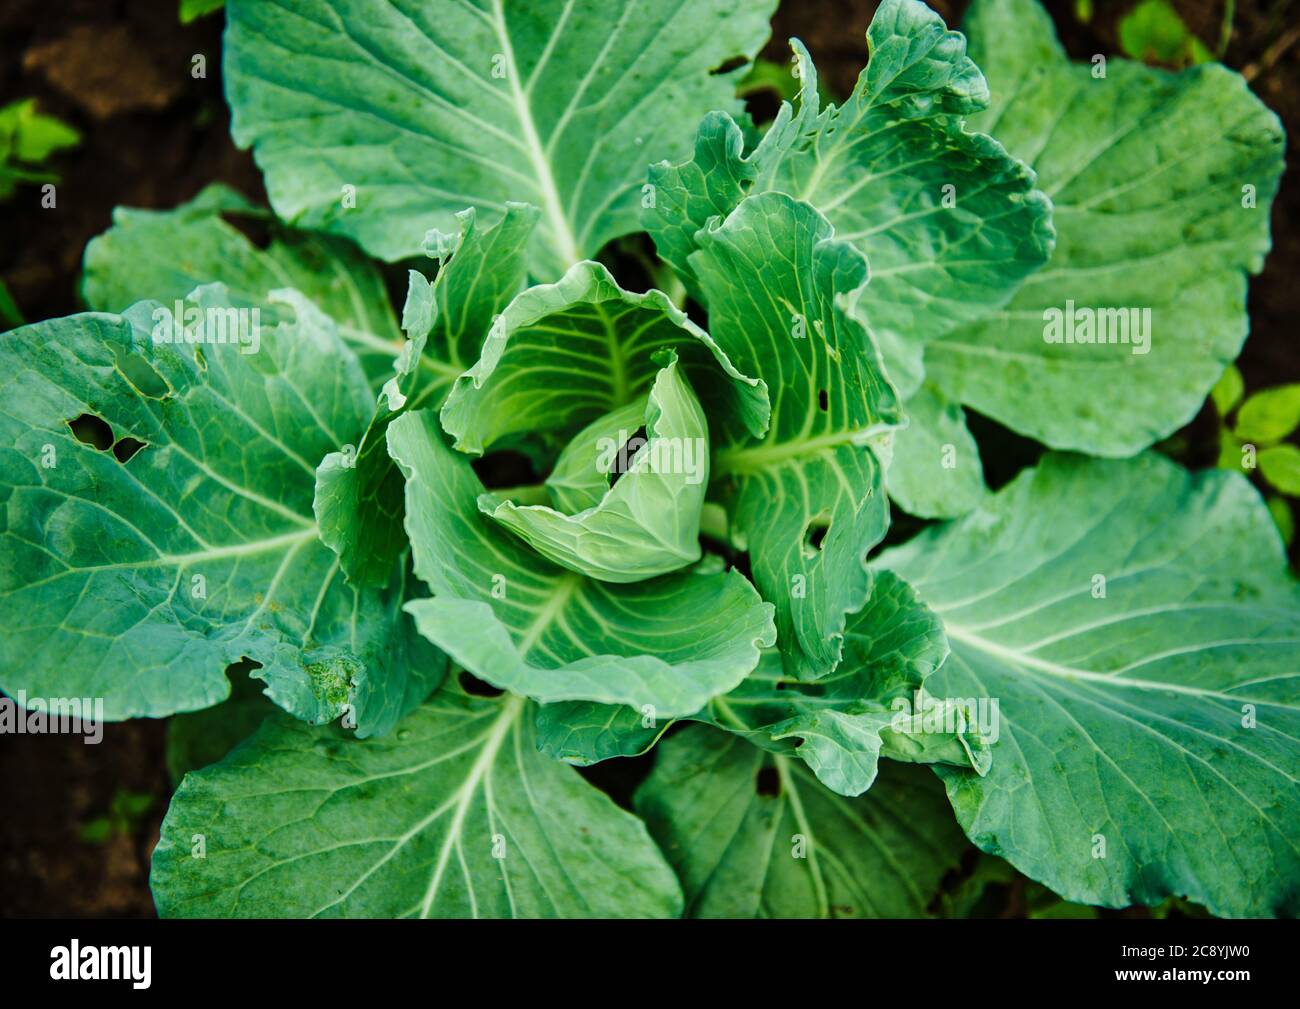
<point>950,223</point>
<point>428,108</point>
<point>141,581</point>
<point>804,852</point>
<point>455,815</point>
<point>164,255</point>
<point>1157,714</point>
<point>1146,171</point>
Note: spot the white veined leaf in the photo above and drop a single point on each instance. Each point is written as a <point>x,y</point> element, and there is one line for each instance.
<point>454,815</point>
<point>1139,629</point>
<point>377,120</point>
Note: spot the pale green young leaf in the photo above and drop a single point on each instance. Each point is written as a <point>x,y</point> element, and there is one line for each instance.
<point>646,524</point>
<point>454,815</point>
<point>521,623</point>
<point>578,479</point>
<point>1232,455</point>
<point>1161,184</point>
<point>1269,415</point>
<point>1280,465</point>
<point>561,355</point>
<point>139,578</point>
<point>192,10</point>
<point>1228,390</point>
<point>754,835</point>
<point>776,281</point>
<point>30,136</point>
<point>1139,629</point>
<point>1281,512</point>
<point>27,139</point>
<point>425,109</point>
<point>1153,31</point>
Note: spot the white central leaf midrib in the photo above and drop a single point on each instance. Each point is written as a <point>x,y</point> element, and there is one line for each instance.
<point>791,793</point>
<point>757,458</point>
<point>564,589</point>
<point>550,195</point>
<point>991,648</point>
<point>465,795</point>
<point>290,541</point>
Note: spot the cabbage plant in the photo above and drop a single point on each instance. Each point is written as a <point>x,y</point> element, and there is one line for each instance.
<point>617,479</point>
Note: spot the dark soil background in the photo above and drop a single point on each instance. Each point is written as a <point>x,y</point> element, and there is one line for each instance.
<point>153,136</point>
